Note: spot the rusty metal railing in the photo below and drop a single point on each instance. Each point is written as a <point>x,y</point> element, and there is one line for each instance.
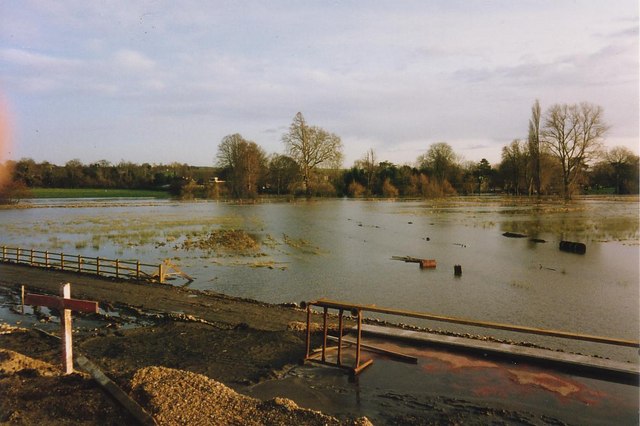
<point>325,305</point>
<point>357,309</point>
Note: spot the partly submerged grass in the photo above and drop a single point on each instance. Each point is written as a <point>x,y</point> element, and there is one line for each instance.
<point>95,193</point>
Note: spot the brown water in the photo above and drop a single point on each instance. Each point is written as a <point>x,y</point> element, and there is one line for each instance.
<point>453,388</point>
<point>342,249</point>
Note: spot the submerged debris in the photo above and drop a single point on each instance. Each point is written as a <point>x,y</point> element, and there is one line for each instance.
<point>572,247</point>
<point>230,240</point>
<point>513,235</point>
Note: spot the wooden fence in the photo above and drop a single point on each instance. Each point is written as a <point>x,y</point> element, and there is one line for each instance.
<point>99,266</point>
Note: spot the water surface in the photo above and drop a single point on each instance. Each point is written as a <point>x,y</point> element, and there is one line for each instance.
<point>342,249</point>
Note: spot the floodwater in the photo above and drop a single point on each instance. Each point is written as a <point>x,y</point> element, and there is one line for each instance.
<point>342,249</point>
<point>455,388</point>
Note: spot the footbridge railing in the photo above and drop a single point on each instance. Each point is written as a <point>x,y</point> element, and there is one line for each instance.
<point>356,310</point>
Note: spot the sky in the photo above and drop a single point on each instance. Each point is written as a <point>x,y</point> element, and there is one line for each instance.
<point>164,81</point>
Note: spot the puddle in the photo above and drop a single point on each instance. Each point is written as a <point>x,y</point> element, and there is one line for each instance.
<point>448,386</point>
<point>48,320</point>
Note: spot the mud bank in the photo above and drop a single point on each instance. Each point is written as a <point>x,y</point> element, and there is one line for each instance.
<point>148,331</point>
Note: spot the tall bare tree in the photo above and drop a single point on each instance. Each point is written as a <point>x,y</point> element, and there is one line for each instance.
<point>573,134</point>
<point>244,162</point>
<point>311,147</point>
<point>534,145</point>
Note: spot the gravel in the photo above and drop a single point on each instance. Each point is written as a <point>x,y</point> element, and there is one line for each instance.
<point>176,397</point>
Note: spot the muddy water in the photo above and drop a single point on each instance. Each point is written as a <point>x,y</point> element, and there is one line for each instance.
<point>342,249</point>
<point>452,388</point>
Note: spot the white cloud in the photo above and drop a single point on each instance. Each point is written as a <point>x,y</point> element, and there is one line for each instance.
<point>392,76</point>
<point>28,60</point>
<point>132,61</point>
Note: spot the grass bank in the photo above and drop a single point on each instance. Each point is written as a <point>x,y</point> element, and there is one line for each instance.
<point>94,193</point>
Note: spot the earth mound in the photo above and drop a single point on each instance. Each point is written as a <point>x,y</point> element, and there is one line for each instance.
<point>181,397</point>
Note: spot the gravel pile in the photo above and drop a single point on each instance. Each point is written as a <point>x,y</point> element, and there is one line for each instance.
<point>12,362</point>
<point>175,397</point>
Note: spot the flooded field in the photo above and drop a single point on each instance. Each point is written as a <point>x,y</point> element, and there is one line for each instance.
<point>342,249</point>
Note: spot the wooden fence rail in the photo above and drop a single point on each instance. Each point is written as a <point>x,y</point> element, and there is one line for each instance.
<point>100,266</point>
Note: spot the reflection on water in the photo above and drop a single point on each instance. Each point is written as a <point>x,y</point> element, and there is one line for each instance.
<point>342,249</point>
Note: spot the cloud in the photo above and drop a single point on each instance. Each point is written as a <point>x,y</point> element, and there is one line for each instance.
<point>395,78</point>
<point>132,61</point>
<point>28,60</point>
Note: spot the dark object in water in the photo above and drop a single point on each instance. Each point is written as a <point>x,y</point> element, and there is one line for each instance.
<point>424,263</point>
<point>572,247</point>
<point>457,270</point>
<point>513,235</point>
<point>537,240</point>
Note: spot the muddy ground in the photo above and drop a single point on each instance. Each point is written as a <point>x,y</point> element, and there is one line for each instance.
<point>235,342</point>
<point>184,361</point>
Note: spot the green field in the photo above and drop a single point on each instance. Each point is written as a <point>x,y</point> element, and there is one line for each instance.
<point>94,193</point>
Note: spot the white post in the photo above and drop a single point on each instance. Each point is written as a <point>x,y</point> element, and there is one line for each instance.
<point>65,325</point>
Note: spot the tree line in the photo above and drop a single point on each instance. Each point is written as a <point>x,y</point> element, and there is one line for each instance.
<point>563,154</point>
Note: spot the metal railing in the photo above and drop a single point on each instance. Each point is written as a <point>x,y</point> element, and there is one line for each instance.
<point>100,266</point>
<point>356,310</point>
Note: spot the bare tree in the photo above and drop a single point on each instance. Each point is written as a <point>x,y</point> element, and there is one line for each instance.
<point>244,162</point>
<point>573,134</point>
<point>534,145</point>
<point>623,164</point>
<point>311,147</point>
<point>368,163</point>
<point>514,164</point>
<point>283,171</point>
<point>439,160</point>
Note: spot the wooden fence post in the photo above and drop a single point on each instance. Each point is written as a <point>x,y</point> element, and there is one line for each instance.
<point>79,263</point>
<point>62,261</point>
<point>98,265</point>
<point>117,268</point>
<point>137,269</point>
<point>46,258</point>
<point>161,273</point>
<point>18,255</point>
<point>31,258</point>
<point>4,253</point>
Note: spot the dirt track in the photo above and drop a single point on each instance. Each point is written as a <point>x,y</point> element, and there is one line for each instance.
<point>212,307</point>
<point>233,341</point>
